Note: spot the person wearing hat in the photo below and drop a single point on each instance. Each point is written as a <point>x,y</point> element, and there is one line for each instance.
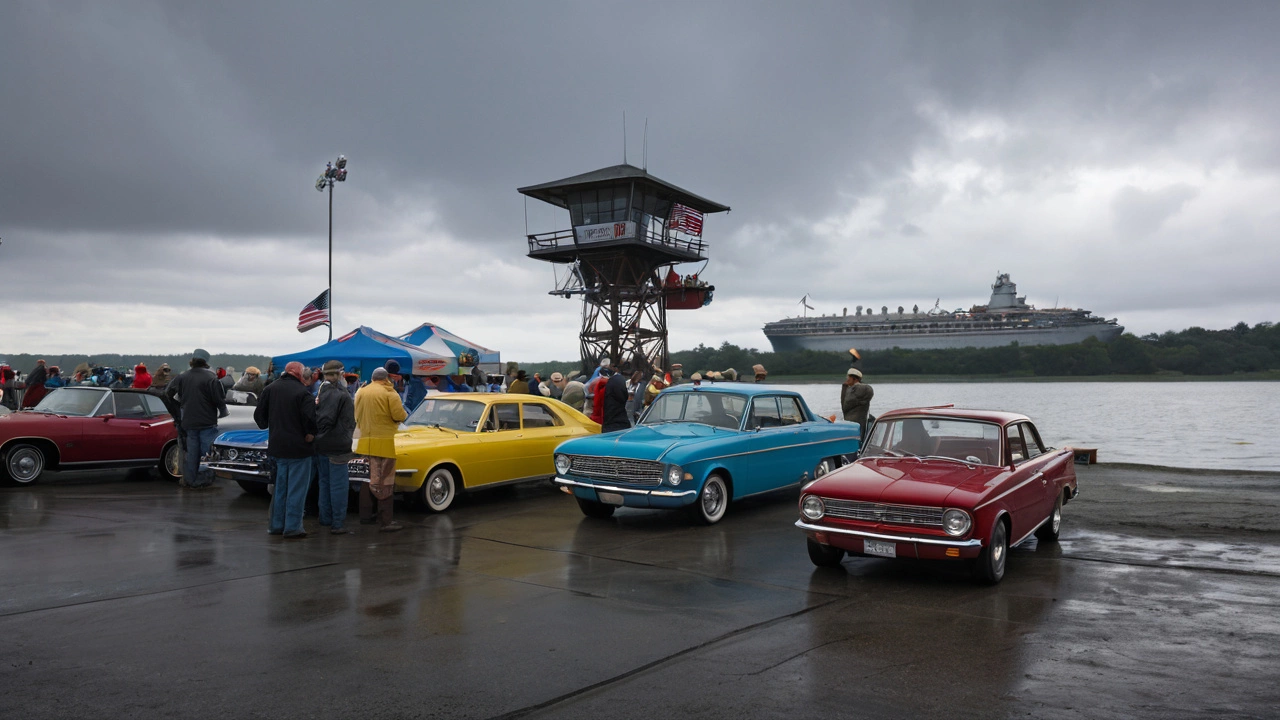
<point>287,412</point>
<point>250,381</point>
<point>202,401</point>
<point>855,398</point>
<point>335,427</point>
<point>697,379</point>
<point>379,413</point>
<point>655,386</point>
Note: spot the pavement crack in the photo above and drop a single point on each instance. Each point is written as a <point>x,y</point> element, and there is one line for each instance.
<point>660,661</point>
<point>1165,566</point>
<point>802,653</point>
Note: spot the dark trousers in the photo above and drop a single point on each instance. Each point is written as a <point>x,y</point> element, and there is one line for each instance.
<point>367,501</point>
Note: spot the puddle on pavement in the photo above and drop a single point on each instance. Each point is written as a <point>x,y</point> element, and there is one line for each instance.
<point>1245,557</point>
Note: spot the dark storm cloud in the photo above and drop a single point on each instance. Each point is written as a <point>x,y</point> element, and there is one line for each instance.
<point>881,153</point>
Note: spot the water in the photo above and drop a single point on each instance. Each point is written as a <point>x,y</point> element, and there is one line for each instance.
<point>1220,425</point>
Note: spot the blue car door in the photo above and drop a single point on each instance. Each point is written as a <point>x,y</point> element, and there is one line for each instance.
<point>773,448</point>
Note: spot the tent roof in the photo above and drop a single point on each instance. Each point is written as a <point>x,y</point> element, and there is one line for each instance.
<point>362,344</point>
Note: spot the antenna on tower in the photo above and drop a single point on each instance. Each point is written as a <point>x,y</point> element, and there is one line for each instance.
<point>624,137</point>
<point>644,154</point>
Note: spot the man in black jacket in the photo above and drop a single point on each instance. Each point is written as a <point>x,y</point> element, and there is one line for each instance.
<point>288,412</point>
<point>615,402</point>
<point>201,399</point>
<point>335,425</point>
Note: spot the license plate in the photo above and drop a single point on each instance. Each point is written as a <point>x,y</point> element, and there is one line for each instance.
<point>609,498</point>
<point>882,549</point>
<point>358,469</point>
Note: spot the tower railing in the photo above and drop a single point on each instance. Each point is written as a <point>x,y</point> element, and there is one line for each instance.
<point>558,239</point>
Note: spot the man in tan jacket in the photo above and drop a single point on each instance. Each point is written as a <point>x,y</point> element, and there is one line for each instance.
<point>379,413</point>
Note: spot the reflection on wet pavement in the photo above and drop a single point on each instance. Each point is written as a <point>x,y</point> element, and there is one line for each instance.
<point>130,598</point>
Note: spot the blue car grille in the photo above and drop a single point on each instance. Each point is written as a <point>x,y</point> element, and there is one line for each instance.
<point>636,472</point>
<point>882,513</point>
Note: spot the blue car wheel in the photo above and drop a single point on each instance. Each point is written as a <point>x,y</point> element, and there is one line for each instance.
<point>713,501</point>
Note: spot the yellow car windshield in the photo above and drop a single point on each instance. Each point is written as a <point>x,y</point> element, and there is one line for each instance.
<point>452,413</point>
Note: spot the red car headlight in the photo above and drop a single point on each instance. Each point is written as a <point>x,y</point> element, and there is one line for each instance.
<point>956,522</point>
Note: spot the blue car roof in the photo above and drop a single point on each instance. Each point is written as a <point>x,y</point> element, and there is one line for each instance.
<point>733,388</point>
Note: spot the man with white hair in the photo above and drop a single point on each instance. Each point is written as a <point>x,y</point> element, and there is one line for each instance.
<point>855,399</point>
<point>287,411</point>
<point>379,413</point>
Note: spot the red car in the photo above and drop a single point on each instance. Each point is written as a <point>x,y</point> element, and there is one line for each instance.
<point>941,483</point>
<point>88,427</point>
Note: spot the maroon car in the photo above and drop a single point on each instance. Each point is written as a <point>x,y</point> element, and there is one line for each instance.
<point>88,427</point>
<point>940,483</point>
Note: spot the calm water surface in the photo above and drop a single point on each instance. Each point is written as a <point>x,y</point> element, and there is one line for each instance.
<point>1230,425</point>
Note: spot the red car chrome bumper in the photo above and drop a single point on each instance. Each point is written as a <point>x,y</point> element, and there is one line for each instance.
<point>908,546</point>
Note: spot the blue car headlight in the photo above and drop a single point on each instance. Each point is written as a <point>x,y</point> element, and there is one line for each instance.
<point>674,475</point>
<point>563,463</point>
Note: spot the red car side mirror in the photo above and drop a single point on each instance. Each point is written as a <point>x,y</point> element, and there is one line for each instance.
<point>107,417</point>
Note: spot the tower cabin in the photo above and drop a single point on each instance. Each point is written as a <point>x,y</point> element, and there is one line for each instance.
<point>624,226</point>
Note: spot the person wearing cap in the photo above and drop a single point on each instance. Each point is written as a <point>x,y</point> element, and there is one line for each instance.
<point>335,427</point>
<point>250,381</point>
<point>379,413</point>
<point>855,398</point>
<point>202,400</point>
<point>287,412</point>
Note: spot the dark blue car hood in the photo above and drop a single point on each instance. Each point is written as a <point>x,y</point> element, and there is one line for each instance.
<point>255,438</point>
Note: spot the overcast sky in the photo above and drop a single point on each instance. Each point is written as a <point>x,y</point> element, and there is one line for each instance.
<point>158,160</point>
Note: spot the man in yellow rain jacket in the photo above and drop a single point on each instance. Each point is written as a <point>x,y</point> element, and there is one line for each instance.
<point>379,413</point>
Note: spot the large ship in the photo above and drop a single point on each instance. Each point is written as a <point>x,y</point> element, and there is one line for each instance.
<point>1006,319</point>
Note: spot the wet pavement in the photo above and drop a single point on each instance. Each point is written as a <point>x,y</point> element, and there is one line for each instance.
<point>125,597</point>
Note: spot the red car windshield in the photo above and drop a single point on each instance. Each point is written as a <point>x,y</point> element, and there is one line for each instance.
<point>968,441</point>
<point>78,402</point>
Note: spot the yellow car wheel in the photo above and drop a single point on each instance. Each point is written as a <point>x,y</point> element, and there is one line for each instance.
<point>439,490</point>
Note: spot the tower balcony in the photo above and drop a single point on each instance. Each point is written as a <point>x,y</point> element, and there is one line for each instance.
<point>566,245</point>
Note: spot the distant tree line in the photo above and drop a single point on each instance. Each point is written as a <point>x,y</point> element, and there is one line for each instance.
<point>67,363</point>
<point>1194,351</point>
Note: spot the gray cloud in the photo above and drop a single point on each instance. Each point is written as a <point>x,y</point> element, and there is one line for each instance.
<point>1116,155</point>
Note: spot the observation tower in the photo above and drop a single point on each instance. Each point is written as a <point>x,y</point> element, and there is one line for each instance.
<point>628,231</point>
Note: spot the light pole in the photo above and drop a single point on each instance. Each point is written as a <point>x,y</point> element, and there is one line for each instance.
<point>334,172</point>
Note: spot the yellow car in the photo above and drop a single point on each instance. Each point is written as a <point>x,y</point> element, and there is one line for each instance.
<point>458,442</point>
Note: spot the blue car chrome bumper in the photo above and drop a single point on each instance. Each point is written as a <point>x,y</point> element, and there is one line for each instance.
<point>631,497</point>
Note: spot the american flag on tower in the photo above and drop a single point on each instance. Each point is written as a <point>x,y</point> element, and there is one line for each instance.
<point>315,314</point>
<point>686,219</point>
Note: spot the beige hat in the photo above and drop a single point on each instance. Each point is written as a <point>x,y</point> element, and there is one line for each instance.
<point>696,377</point>
<point>855,372</point>
<point>557,377</point>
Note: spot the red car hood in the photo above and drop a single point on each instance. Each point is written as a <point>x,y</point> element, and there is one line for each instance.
<point>32,423</point>
<point>907,481</point>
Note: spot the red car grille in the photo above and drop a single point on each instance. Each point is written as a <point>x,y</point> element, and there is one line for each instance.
<point>638,472</point>
<point>882,513</point>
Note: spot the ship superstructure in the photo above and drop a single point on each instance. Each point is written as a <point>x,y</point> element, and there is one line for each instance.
<point>1006,318</point>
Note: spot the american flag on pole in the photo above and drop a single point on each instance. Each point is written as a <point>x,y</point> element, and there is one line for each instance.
<point>315,314</point>
<point>686,219</point>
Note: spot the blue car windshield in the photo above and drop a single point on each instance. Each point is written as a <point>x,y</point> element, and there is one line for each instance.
<point>455,414</point>
<point>718,409</point>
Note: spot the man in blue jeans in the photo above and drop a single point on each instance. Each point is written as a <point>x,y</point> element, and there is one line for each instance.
<point>202,401</point>
<point>335,426</point>
<point>287,411</point>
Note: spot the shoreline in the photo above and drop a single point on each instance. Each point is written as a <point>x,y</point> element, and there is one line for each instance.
<point>1268,376</point>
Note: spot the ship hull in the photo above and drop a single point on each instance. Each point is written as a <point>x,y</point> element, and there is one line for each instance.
<point>940,340</point>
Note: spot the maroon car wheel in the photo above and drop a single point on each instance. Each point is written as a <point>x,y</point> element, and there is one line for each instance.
<point>24,463</point>
<point>824,555</point>
<point>1048,532</point>
<point>989,567</point>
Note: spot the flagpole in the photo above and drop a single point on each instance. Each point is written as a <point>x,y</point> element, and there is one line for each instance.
<point>330,262</point>
<point>334,172</point>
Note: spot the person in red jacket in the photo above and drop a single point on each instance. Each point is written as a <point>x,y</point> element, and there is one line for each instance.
<point>597,389</point>
<point>141,378</point>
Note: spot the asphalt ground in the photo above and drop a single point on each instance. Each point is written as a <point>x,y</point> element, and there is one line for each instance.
<point>125,597</point>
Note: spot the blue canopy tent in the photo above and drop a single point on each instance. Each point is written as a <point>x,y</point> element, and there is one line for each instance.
<point>364,349</point>
<point>436,339</point>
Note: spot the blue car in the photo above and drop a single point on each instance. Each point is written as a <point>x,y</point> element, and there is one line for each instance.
<point>701,448</point>
<point>241,455</point>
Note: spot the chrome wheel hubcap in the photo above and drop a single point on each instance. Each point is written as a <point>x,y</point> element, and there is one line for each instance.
<point>439,490</point>
<point>23,466</point>
<point>1057,518</point>
<point>711,499</point>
